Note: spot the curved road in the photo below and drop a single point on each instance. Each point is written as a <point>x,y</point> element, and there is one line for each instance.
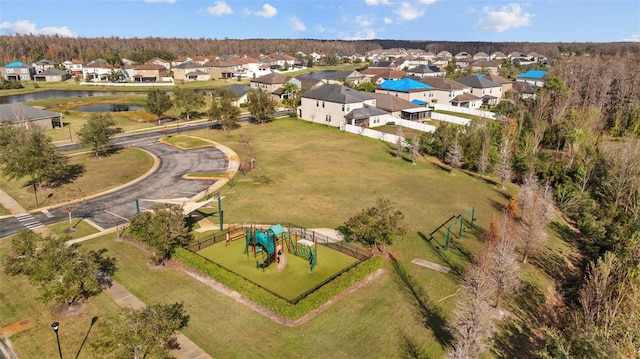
<point>165,182</point>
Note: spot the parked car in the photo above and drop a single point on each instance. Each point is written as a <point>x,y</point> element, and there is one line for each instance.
<point>166,119</point>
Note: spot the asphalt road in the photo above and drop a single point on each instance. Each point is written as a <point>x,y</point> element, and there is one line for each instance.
<point>165,182</point>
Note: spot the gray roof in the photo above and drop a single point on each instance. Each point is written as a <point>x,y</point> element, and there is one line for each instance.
<point>239,89</point>
<point>188,65</point>
<point>337,94</point>
<point>16,113</point>
<point>477,82</point>
<point>365,112</point>
<point>196,73</point>
<point>422,69</point>
<point>329,74</point>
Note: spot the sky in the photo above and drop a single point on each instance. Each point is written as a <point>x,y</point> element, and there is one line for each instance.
<point>437,20</point>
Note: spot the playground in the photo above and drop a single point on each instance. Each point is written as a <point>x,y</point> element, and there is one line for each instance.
<point>284,264</point>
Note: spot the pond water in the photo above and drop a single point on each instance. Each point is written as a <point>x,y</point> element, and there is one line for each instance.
<point>110,108</point>
<point>61,94</point>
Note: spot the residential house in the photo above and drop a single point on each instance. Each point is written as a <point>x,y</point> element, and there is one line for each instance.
<point>486,67</point>
<point>181,60</point>
<point>241,92</point>
<point>386,65</point>
<point>481,56</point>
<point>445,89</point>
<point>523,90</point>
<point>52,75</point>
<point>334,105</point>
<point>282,60</point>
<point>338,77</point>
<point>74,66</point>
<point>200,59</point>
<point>535,78</point>
<point>416,62</point>
<point>467,100</point>
<point>43,65</point>
<point>506,84</point>
<point>127,62</point>
<point>190,71</point>
<point>446,55</point>
<point>249,67</point>
<point>401,108</point>
<point>426,71</point>
<point>17,71</point>
<point>270,83</point>
<point>463,55</point>
<point>159,61</point>
<point>97,70</point>
<point>408,89</point>
<point>221,69</point>
<point>464,62</point>
<point>29,117</point>
<point>489,91</point>
<point>149,73</point>
<point>306,83</point>
<point>497,55</point>
<point>378,75</point>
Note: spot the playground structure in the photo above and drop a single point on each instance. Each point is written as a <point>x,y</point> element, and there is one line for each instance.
<point>271,243</point>
<point>459,221</point>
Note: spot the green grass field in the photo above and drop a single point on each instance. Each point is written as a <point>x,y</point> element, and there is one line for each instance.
<point>317,176</point>
<point>294,280</point>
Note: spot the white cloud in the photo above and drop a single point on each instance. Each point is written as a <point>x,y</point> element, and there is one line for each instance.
<point>27,27</point>
<point>408,11</point>
<point>427,2</point>
<point>377,2</point>
<point>219,9</point>
<point>321,29</point>
<point>633,38</point>
<point>157,1</point>
<point>363,21</point>
<point>267,11</point>
<point>296,24</point>
<point>387,20</point>
<point>505,18</point>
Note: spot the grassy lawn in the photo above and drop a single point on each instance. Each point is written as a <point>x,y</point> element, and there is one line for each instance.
<point>79,228</point>
<point>317,176</point>
<point>186,141</point>
<point>293,281</point>
<point>100,174</point>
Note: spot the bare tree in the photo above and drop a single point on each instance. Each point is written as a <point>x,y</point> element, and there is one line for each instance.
<point>399,143</point>
<point>503,168</point>
<point>473,324</point>
<point>536,206</point>
<point>454,156</point>
<point>484,158</point>
<point>502,258</point>
<point>623,178</point>
<point>72,198</point>
<point>414,149</point>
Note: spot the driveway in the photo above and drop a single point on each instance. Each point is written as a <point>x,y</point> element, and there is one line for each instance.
<point>165,182</point>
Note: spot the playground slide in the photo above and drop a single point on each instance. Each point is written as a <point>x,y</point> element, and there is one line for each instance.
<point>282,262</point>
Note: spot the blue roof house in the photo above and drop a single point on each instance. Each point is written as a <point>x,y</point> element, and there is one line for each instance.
<point>534,78</point>
<point>408,89</point>
<point>17,71</point>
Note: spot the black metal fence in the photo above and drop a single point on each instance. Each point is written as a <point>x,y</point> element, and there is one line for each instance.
<point>361,254</point>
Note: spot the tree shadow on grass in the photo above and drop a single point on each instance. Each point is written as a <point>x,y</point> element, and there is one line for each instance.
<point>438,249</point>
<point>411,349</point>
<point>515,338</point>
<point>431,315</point>
<point>66,175</point>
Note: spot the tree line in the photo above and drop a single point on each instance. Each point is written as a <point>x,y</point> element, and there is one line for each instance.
<point>31,48</point>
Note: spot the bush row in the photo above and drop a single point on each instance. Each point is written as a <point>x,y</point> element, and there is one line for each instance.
<point>270,301</point>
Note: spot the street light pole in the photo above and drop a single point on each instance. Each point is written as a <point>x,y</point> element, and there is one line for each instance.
<point>55,326</point>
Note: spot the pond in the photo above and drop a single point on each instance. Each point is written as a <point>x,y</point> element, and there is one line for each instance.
<point>110,108</point>
<point>43,95</point>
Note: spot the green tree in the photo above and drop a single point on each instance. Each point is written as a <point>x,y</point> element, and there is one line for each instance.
<point>367,86</point>
<point>224,110</point>
<point>97,132</point>
<point>158,102</point>
<point>376,226</point>
<point>292,101</point>
<point>451,68</point>
<point>63,273</point>
<point>141,333</point>
<point>29,153</point>
<point>163,229</point>
<point>261,105</point>
<point>188,100</point>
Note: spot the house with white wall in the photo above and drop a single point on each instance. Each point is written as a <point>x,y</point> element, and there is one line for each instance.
<point>489,91</point>
<point>334,105</point>
<point>445,89</point>
<point>408,89</point>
